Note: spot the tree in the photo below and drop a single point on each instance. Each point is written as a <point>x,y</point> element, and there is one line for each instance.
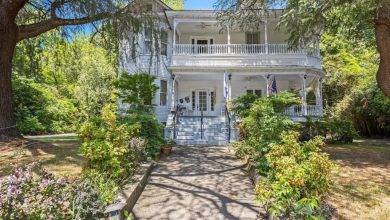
<point>306,20</point>
<point>175,4</point>
<point>23,19</point>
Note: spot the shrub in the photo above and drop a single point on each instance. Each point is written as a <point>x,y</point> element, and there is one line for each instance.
<point>107,144</point>
<point>242,104</point>
<point>298,178</point>
<point>146,126</point>
<point>86,202</point>
<point>334,131</point>
<point>262,126</point>
<point>137,89</point>
<point>33,193</point>
<point>38,110</point>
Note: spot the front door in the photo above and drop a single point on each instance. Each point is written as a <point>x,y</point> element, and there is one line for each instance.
<point>202,46</point>
<point>202,102</point>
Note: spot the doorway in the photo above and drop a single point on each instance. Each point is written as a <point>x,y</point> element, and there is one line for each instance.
<point>202,46</point>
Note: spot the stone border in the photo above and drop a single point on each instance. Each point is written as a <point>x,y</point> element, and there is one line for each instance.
<point>130,193</point>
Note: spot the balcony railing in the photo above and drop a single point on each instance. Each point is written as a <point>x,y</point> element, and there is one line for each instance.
<point>300,110</point>
<point>242,49</point>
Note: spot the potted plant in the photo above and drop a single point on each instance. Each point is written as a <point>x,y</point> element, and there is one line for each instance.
<point>167,147</point>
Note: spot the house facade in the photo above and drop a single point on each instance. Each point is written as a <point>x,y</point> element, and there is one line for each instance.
<point>201,67</point>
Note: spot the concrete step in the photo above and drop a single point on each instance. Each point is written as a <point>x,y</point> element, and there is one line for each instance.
<point>206,133</point>
<point>201,142</point>
<point>185,137</point>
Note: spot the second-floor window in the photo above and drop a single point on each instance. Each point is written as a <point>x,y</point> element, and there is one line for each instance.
<point>252,37</point>
<point>164,42</point>
<point>148,41</point>
<point>163,92</point>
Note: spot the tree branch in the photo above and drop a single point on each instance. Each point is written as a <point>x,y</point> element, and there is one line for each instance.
<point>33,30</point>
<point>12,7</point>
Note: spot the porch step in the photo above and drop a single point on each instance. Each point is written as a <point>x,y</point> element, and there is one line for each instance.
<point>201,142</point>
<point>214,131</point>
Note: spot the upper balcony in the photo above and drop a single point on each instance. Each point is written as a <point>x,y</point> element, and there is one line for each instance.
<point>236,55</point>
<point>199,42</point>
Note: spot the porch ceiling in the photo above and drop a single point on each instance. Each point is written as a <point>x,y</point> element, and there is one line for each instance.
<point>199,27</point>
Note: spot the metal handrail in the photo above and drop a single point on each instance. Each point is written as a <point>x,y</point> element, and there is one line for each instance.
<point>227,113</point>
<point>175,116</point>
<point>201,125</point>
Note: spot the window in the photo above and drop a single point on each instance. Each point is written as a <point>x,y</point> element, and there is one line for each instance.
<point>163,92</point>
<point>133,49</point>
<point>193,100</point>
<point>148,41</point>
<point>252,37</point>
<point>212,100</point>
<point>164,42</point>
<point>256,92</point>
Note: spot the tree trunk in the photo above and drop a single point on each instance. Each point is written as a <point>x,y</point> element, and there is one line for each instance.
<point>382,33</point>
<point>8,40</point>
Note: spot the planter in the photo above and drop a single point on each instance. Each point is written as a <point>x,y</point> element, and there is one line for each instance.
<point>166,149</point>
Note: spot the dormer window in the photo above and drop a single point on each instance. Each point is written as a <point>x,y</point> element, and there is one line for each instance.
<point>252,37</point>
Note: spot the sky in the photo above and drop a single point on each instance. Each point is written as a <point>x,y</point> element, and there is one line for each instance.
<point>199,4</point>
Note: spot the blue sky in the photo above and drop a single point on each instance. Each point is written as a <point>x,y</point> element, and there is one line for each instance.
<point>199,4</point>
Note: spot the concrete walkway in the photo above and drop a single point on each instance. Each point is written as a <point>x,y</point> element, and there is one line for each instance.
<point>198,182</point>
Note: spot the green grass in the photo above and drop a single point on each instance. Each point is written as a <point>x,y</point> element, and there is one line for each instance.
<point>59,155</point>
<point>362,180</point>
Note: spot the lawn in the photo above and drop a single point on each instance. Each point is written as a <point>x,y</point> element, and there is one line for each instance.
<point>59,155</point>
<point>362,180</point>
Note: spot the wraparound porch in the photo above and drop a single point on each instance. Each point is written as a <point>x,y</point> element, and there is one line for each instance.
<point>208,94</point>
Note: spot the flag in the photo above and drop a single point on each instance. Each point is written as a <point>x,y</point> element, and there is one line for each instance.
<point>272,87</point>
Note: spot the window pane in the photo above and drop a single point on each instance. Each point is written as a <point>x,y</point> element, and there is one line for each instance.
<point>249,91</point>
<point>148,47</point>
<point>163,99</point>
<point>164,37</point>
<point>193,100</point>
<point>163,86</point>
<point>248,38</point>
<point>148,34</point>
<point>253,37</point>
<point>258,92</point>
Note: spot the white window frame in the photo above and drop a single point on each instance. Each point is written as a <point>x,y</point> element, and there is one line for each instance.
<point>164,44</point>
<point>164,93</point>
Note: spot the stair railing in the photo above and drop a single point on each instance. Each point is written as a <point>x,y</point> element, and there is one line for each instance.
<point>227,113</point>
<point>175,116</point>
<point>201,124</point>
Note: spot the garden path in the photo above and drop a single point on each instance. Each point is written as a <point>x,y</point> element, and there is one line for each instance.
<point>198,182</point>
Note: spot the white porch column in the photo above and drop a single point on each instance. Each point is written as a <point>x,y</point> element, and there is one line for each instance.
<point>228,38</point>
<point>320,98</point>
<point>266,36</point>
<point>174,36</point>
<point>173,95</point>
<point>267,84</point>
<point>303,84</point>
<point>230,87</point>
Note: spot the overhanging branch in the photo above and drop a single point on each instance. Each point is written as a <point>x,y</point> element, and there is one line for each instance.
<point>33,30</point>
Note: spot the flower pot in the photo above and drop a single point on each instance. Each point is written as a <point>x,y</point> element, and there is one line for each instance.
<point>166,149</point>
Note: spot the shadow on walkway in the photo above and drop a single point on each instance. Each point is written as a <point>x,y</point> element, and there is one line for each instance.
<point>197,182</point>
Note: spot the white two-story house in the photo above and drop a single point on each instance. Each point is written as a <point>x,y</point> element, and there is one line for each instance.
<point>201,67</point>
